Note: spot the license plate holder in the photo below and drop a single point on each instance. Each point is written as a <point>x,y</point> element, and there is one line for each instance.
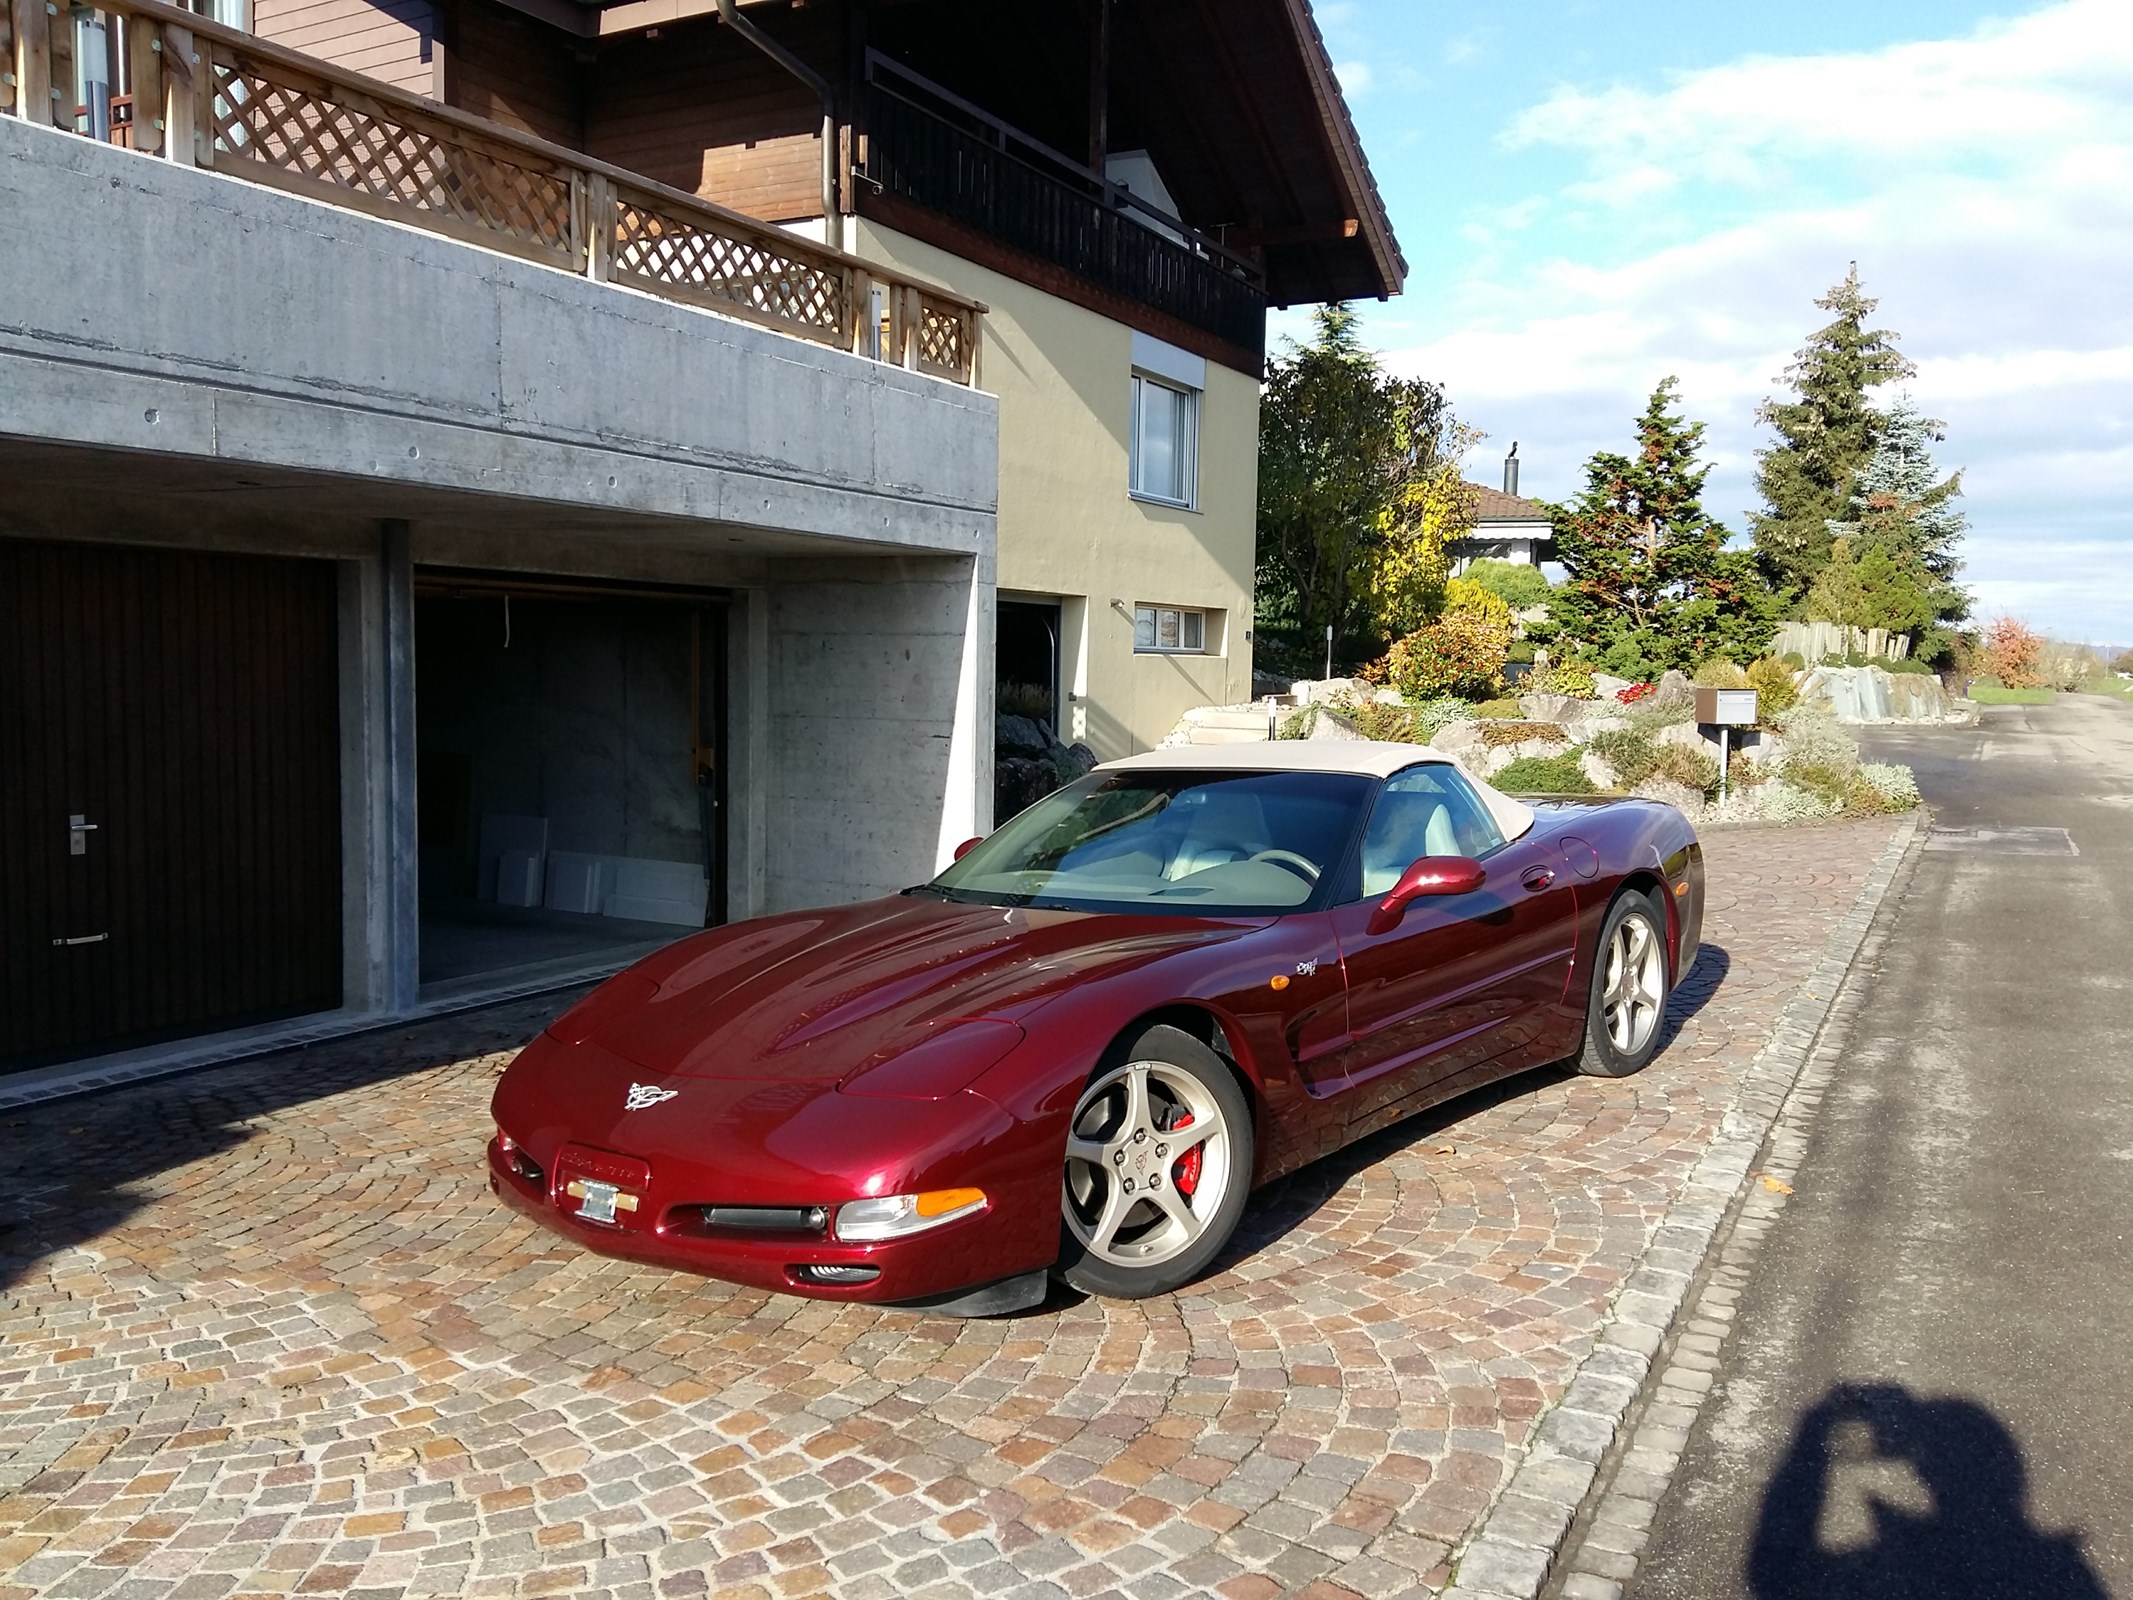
<point>600,1187</point>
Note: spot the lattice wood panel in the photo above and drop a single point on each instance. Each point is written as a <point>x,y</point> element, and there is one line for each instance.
<point>690,256</point>
<point>362,150</point>
<point>944,336</point>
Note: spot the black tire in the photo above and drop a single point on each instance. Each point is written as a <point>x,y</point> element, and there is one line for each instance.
<point>1606,1052</point>
<point>1125,1183</point>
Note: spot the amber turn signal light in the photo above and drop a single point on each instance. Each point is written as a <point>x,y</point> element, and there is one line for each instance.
<point>1280,980</point>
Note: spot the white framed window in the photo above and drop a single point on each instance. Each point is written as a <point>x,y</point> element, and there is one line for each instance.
<point>1166,442</point>
<point>1169,630</point>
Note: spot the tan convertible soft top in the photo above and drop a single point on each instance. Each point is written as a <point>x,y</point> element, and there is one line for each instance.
<point>1366,757</point>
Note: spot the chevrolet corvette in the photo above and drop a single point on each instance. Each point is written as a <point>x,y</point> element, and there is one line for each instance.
<point>1076,1051</point>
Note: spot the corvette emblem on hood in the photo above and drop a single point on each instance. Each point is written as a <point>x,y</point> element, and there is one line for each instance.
<point>642,1095</point>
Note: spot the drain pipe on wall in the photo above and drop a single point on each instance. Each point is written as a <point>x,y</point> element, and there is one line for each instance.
<point>832,220</point>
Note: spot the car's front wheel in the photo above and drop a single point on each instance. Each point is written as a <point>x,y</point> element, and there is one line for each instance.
<point>1627,1000</point>
<point>1158,1165</point>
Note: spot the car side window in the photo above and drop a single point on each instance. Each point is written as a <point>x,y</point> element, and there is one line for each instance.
<point>1428,810</point>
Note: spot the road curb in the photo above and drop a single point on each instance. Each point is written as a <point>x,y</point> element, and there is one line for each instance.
<point>1514,1552</point>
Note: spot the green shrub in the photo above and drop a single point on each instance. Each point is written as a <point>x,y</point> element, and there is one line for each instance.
<point>1896,786</point>
<point>1774,689</point>
<point>1826,784</point>
<point>1630,752</point>
<point>1388,724</point>
<point>1521,651</point>
<point>1719,673</point>
<point>1697,769</point>
<point>1780,801</point>
<point>1569,678</point>
<point>1815,741</point>
<point>1499,709</point>
<point>1907,667</point>
<point>1545,775</point>
<point>1433,716</point>
<point>1794,660</point>
<point>1517,585</point>
<point>1459,654</point>
<point>1298,723</point>
<point>1495,734</point>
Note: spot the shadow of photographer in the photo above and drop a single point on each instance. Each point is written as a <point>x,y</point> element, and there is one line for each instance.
<point>1885,1495</point>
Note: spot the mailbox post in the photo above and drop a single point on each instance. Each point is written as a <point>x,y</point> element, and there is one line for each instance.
<point>1725,709</point>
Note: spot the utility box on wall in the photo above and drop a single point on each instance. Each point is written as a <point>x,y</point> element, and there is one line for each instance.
<point>1726,708</point>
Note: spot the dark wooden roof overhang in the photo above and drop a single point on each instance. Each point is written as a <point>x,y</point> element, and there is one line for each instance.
<point>1237,101</point>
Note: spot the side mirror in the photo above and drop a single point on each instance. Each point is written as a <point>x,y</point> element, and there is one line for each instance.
<point>967,846</point>
<point>1432,875</point>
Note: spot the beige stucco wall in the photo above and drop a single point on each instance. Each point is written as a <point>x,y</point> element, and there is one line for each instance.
<point>1067,526</point>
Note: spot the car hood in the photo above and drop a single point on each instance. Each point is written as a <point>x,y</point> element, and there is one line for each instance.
<point>839,994</point>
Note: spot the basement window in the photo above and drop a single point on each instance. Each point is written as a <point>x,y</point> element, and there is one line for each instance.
<point>1169,630</point>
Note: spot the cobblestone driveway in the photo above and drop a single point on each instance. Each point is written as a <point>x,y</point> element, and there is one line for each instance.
<point>268,1333</point>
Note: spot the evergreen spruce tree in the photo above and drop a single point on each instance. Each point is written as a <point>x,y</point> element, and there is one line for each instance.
<point>1651,584</point>
<point>1902,531</point>
<point>1827,434</point>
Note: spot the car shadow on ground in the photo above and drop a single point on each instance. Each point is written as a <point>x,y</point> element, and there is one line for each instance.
<point>1887,1495</point>
<point>1287,1203</point>
<point>76,1169</point>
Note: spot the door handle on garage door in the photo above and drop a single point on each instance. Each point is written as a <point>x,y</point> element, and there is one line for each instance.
<point>1538,878</point>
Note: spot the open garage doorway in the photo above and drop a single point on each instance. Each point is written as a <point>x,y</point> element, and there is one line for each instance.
<point>1026,651</point>
<point>569,786</point>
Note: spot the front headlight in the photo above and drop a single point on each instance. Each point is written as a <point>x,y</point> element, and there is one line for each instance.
<point>897,1216</point>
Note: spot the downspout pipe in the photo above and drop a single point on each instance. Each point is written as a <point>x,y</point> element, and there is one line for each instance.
<point>832,220</point>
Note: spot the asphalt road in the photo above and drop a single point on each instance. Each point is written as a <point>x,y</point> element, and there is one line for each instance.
<point>1929,1389</point>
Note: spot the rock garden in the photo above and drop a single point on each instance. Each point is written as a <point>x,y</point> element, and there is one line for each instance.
<point>1577,732</point>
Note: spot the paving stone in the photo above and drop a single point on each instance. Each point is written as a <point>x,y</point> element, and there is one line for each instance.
<point>254,1311</point>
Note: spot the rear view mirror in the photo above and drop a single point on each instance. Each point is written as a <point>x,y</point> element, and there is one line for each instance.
<point>967,846</point>
<point>1432,875</point>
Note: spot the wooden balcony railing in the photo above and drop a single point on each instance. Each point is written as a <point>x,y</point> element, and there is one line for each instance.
<point>211,96</point>
<point>926,145</point>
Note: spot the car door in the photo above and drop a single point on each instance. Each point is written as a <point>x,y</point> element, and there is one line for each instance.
<point>1456,979</point>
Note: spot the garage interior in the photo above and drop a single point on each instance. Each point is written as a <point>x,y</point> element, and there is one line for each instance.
<point>569,794</point>
<point>1026,651</point>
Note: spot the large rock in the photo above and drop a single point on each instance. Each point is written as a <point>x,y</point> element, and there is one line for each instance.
<point>1329,724</point>
<point>1314,691</point>
<point>1460,739</point>
<point>1021,736</point>
<point>1606,686</point>
<point>1690,736</point>
<point>1673,692</point>
<point>1872,694</point>
<point>1689,802</point>
<point>1597,772</point>
<point>1551,707</point>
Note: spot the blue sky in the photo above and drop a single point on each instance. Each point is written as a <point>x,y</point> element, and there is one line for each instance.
<point>1592,196</point>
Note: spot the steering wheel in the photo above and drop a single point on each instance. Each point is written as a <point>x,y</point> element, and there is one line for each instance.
<point>1297,864</point>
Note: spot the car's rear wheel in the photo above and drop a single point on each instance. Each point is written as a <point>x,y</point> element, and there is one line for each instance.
<point>1158,1165</point>
<point>1627,1004</point>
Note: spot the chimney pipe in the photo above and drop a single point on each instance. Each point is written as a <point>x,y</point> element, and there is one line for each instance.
<point>832,219</point>
<point>1510,470</point>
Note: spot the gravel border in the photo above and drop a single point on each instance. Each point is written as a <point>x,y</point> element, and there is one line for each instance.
<point>1514,1552</point>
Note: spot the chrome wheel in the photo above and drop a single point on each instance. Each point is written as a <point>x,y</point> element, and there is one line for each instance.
<point>1634,998</point>
<point>1148,1162</point>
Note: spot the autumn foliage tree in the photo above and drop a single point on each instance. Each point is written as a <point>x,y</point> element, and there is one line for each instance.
<point>1651,584</point>
<point>2012,653</point>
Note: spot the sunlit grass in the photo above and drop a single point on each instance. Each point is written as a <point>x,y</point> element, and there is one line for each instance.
<point>1993,694</point>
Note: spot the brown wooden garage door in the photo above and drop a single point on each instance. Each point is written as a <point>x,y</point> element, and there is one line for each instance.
<point>169,798</point>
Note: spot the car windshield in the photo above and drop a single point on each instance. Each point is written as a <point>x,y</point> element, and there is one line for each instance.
<point>1195,843</point>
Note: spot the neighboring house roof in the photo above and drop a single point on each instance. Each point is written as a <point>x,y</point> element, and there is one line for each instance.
<point>1493,506</point>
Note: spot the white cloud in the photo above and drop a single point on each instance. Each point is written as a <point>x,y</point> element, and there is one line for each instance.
<point>1985,187</point>
<point>1354,78</point>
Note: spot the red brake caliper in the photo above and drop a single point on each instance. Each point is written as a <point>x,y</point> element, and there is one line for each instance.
<point>1185,1171</point>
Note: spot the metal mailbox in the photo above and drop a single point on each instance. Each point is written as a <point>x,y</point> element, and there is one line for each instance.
<point>1726,708</point>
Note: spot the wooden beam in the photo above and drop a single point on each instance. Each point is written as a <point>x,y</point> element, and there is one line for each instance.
<point>10,69</point>
<point>1099,84</point>
<point>144,67</point>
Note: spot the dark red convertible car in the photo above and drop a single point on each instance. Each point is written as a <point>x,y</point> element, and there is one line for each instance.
<point>1079,1048</point>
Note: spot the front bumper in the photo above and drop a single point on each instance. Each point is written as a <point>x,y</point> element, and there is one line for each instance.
<point>729,1143</point>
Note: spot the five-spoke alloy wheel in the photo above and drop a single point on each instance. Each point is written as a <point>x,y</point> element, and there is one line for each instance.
<point>1629,989</point>
<point>1158,1163</point>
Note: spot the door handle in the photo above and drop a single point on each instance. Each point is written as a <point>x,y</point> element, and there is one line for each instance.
<point>87,938</point>
<point>1538,878</point>
<point>78,830</point>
